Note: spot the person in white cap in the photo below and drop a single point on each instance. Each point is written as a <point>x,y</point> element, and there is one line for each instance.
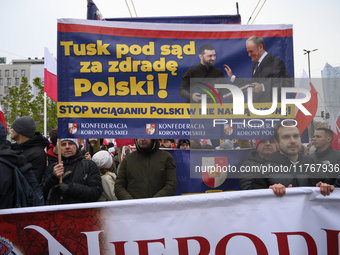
<point>81,181</point>
<point>104,162</point>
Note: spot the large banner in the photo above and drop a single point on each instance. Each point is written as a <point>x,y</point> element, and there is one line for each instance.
<point>200,171</point>
<point>123,80</point>
<point>241,222</point>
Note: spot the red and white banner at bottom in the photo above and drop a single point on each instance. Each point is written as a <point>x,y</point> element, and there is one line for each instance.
<point>239,222</point>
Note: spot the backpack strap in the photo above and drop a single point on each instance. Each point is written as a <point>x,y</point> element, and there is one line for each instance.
<point>85,164</point>
<point>26,167</point>
<point>7,162</point>
<point>11,200</point>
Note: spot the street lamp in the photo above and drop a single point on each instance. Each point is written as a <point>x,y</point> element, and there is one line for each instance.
<point>307,52</point>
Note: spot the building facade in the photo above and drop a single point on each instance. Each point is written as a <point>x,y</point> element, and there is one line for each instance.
<point>11,74</point>
<point>331,88</point>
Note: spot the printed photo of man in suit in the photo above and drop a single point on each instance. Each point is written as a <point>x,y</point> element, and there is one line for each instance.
<point>267,72</point>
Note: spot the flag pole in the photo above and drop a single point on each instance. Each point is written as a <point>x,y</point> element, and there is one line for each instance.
<point>45,115</point>
<point>59,161</point>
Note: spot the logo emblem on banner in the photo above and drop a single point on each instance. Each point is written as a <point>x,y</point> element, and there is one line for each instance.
<point>214,171</point>
<point>72,128</point>
<point>150,129</point>
<point>6,247</point>
<point>228,130</point>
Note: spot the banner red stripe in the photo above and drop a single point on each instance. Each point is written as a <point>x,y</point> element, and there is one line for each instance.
<point>75,28</point>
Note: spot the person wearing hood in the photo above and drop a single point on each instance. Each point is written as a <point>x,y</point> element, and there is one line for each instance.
<point>81,180</point>
<point>7,174</point>
<point>264,148</point>
<point>291,168</point>
<point>31,143</point>
<point>147,172</point>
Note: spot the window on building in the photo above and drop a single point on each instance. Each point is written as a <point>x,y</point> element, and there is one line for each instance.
<point>6,73</point>
<point>23,73</point>
<point>6,90</point>
<point>0,73</point>
<point>1,81</point>
<point>17,81</point>
<point>9,81</point>
<point>15,73</point>
<point>1,97</point>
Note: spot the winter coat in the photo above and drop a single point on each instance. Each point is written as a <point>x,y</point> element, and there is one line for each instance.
<point>7,174</point>
<point>82,177</point>
<point>33,150</point>
<point>286,174</point>
<point>108,181</point>
<point>145,174</point>
<point>330,163</point>
<point>246,178</point>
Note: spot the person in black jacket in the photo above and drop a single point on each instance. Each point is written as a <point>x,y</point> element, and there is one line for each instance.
<point>286,167</point>
<point>6,172</point>
<point>267,72</point>
<point>325,155</point>
<point>81,181</point>
<point>255,159</point>
<point>31,143</point>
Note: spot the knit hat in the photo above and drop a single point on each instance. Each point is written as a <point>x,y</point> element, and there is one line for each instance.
<point>3,134</point>
<point>24,126</point>
<point>181,141</point>
<point>75,141</point>
<point>227,145</point>
<point>103,159</point>
<point>260,140</point>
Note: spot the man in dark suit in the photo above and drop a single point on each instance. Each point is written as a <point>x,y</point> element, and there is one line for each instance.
<point>267,72</point>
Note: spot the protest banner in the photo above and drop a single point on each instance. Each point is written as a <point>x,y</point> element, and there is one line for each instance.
<point>122,79</point>
<point>200,171</point>
<point>240,222</point>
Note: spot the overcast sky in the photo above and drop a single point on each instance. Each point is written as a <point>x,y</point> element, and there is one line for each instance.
<point>29,26</point>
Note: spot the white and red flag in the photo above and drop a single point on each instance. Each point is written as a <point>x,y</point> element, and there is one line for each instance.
<point>50,76</point>
<point>333,126</point>
<point>2,118</point>
<point>337,123</point>
<point>312,105</point>
<point>124,142</point>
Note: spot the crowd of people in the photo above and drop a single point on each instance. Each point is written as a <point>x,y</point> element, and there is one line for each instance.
<point>103,172</point>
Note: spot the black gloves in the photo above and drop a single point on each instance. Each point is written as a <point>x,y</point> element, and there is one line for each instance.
<point>61,189</point>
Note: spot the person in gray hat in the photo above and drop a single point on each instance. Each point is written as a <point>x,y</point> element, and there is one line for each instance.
<point>227,145</point>
<point>81,181</point>
<point>31,143</point>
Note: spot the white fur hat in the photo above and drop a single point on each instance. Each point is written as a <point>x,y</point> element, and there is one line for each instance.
<point>103,159</point>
